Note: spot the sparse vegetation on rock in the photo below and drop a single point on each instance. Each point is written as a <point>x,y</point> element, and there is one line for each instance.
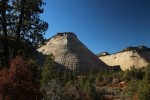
<point>73,72</point>
<point>130,56</point>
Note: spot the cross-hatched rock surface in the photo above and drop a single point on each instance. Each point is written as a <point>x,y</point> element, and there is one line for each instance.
<point>130,56</point>
<point>70,52</point>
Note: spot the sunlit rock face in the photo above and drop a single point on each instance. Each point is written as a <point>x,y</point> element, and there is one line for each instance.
<point>130,56</point>
<point>71,53</point>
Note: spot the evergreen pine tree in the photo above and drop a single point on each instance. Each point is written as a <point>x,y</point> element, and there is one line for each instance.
<point>48,70</point>
<point>66,76</point>
<point>20,22</point>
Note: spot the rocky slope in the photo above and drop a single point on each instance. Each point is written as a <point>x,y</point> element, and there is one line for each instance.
<point>71,53</point>
<point>131,56</point>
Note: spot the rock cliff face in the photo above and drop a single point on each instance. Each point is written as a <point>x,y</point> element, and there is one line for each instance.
<point>130,56</point>
<point>71,53</point>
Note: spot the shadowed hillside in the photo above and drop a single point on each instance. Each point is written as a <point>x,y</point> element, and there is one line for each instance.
<point>69,51</point>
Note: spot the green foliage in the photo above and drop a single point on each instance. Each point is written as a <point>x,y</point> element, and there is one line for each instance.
<point>88,87</point>
<point>75,85</point>
<point>48,71</point>
<point>91,90</point>
<point>20,27</point>
<point>144,90</point>
<point>81,81</point>
<point>68,75</point>
<point>132,87</point>
<point>53,90</point>
<point>118,75</point>
<point>133,73</point>
<point>23,20</point>
<point>138,82</point>
<point>144,85</point>
<point>147,73</point>
<point>98,78</point>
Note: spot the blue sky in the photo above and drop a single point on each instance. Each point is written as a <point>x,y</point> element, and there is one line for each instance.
<point>102,25</point>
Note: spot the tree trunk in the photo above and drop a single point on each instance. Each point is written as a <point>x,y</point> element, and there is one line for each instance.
<point>23,2</point>
<point>5,41</point>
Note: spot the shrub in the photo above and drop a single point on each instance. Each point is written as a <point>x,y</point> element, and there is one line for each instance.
<point>147,72</point>
<point>134,73</point>
<point>18,83</point>
<point>53,90</point>
<point>144,90</point>
<point>132,86</point>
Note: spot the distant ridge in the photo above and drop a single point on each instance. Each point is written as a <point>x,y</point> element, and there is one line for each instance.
<point>71,53</point>
<point>130,56</point>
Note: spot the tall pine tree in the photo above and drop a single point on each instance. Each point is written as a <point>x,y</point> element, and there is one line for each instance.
<point>48,71</point>
<point>4,12</point>
<point>20,21</point>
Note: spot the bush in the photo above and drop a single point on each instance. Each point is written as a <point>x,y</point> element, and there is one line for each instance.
<point>147,72</point>
<point>134,73</point>
<point>132,86</point>
<point>118,75</point>
<point>144,90</point>
<point>53,90</point>
<point>18,82</point>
